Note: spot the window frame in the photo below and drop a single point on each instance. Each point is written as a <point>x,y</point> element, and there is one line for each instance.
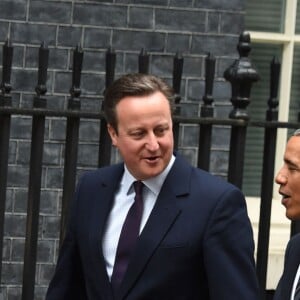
<point>287,39</point>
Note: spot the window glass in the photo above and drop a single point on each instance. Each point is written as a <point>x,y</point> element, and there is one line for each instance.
<point>266,15</point>
<point>297,30</point>
<point>295,89</point>
<point>261,56</point>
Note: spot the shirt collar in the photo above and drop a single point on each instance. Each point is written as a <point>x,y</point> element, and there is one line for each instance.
<point>154,183</point>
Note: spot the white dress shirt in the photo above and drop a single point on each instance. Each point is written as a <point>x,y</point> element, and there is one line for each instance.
<point>123,200</point>
<point>295,283</point>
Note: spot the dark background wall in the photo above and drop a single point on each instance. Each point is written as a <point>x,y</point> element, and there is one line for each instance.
<point>163,28</point>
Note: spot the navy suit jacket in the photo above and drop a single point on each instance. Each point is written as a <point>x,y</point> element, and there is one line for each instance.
<point>291,264</point>
<point>196,244</point>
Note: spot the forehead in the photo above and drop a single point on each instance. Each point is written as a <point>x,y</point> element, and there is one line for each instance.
<point>130,104</point>
<point>292,152</point>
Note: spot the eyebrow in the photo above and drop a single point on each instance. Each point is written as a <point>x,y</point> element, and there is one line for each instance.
<point>291,163</point>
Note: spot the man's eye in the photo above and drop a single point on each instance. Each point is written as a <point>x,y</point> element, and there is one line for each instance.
<point>160,131</point>
<point>137,134</point>
<point>294,169</point>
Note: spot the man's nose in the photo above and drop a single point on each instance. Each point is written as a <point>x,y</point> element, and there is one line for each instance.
<point>152,142</point>
<point>281,178</point>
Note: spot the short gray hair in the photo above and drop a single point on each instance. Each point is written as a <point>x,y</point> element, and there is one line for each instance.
<point>297,132</point>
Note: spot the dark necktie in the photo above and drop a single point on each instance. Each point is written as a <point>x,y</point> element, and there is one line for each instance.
<point>128,237</point>
<point>297,291</point>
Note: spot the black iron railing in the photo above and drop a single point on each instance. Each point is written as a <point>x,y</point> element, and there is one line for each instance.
<point>241,76</point>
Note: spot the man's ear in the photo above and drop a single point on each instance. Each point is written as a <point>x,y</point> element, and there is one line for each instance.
<point>113,134</point>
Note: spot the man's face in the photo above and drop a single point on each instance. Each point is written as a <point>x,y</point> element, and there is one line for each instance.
<point>289,179</point>
<point>145,135</point>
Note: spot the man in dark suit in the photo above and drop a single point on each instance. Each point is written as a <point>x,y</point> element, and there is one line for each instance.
<point>288,178</point>
<point>195,239</point>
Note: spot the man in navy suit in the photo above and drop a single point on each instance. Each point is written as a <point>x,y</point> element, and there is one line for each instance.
<point>195,240</point>
<point>288,178</point>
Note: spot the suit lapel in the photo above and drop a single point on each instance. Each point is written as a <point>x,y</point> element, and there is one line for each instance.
<point>161,220</point>
<point>291,269</point>
<point>102,203</point>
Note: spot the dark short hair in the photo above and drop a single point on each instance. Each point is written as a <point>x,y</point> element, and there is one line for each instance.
<point>134,84</point>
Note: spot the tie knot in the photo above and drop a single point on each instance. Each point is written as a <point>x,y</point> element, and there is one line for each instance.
<point>138,188</point>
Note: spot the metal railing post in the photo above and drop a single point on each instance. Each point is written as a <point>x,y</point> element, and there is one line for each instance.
<point>143,62</point>
<point>105,141</point>
<point>241,75</point>
<point>177,76</point>
<point>5,119</point>
<point>72,138</point>
<point>35,178</point>
<point>267,181</point>
<point>207,111</point>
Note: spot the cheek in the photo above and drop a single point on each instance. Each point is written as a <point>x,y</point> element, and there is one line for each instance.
<point>295,203</point>
<point>296,197</point>
<point>168,141</point>
<point>295,188</point>
<point>128,147</point>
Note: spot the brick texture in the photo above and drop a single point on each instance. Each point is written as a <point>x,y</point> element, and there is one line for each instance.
<point>162,27</point>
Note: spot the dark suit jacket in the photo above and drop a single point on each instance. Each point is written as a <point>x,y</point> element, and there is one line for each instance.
<point>291,263</point>
<point>197,243</point>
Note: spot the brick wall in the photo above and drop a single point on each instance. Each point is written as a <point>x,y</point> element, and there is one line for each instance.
<point>162,27</point>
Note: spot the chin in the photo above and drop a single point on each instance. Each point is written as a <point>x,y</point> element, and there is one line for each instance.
<point>293,217</point>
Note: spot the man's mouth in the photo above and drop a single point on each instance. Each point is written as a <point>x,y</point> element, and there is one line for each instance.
<point>152,158</point>
<point>285,197</point>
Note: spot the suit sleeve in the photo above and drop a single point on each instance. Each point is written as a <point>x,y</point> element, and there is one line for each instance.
<point>68,279</point>
<point>229,250</point>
